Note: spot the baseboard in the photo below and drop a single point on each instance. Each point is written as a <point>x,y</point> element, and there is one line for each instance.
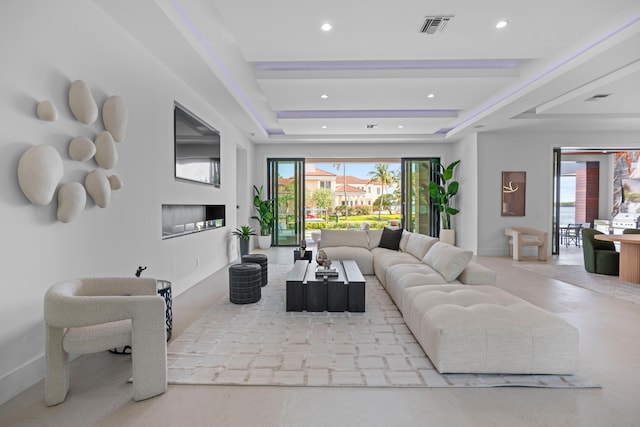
<point>21,378</point>
<point>493,251</point>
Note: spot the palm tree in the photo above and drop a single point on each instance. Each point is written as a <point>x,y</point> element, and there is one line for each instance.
<point>344,187</point>
<point>382,174</point>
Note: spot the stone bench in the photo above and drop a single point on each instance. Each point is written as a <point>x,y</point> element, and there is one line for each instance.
<point>483,329</point>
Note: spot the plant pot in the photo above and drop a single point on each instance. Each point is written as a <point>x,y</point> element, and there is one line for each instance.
<point>244,246</point>
<point>264,242</point>
<point>448,236</point>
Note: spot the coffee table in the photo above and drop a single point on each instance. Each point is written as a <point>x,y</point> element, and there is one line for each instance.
<point>305,291</point>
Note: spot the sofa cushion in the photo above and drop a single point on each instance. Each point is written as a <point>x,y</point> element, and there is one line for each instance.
<point>390,238</point>
<point>353,238</point>
<point>483,329</point>
<point>419,244</point>
<point>362,256</point>
<point>447,260</point>
<point>384,258</point>
<point>402,276</point>
<point>374,238</point>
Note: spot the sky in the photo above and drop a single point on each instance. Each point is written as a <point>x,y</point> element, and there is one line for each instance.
<point>568,189</point>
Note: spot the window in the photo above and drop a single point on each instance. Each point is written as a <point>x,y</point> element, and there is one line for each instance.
<point>325,184</point>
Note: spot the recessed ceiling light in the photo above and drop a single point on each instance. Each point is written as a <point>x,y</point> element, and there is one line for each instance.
<point>431,95</point>
<point>324,96</point>
<point>502,24</point>
<point>324,126</point>
<point>400,126</point>
<point>326,27</point>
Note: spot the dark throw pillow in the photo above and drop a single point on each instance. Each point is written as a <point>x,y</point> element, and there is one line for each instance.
<point>390,238</point>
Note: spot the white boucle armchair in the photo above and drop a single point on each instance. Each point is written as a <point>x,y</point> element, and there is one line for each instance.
<point>519,237</point>
<point>96,314</point>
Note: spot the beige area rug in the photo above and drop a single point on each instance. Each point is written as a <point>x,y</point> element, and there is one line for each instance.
<point>262,344</point>
<point>578,276</point>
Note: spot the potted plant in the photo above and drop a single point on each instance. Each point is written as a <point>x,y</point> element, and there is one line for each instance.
<point>265,209</point>
<point>441,191</point>
<point>244,233</point>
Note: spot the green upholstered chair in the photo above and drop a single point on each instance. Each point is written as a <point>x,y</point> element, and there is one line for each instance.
<point>631,231</point>
<point>599,256</point>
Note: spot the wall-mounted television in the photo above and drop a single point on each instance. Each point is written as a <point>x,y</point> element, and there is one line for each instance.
<point>197,148</point>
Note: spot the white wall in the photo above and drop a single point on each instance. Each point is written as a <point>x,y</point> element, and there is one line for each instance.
<point>466,222</point>
<point>532,153</point>
<point>44,47</point>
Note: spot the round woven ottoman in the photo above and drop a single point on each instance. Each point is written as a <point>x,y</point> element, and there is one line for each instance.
<point>244,283</point>
<point>261,260</point>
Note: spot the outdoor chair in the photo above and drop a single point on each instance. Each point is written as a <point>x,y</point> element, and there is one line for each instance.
<point>572,234</point>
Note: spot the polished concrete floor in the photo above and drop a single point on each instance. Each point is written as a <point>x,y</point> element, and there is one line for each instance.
<point>609,355</point>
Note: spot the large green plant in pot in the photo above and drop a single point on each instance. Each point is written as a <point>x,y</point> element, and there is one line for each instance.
<point>442,191</point>
<point>265,210</point>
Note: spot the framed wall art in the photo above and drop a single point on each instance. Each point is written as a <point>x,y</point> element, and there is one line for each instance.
<point>513,193</point>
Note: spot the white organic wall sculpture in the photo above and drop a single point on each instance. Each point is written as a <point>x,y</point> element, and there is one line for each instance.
<point>106,151</point>
<point>40,170</point>
<point>115,182</point>
<point>115,117</point>
<point>81,149</point>
<point>47,111</point>
<point>82,104</point>
<point>72,199</point>
<point>98,187</point>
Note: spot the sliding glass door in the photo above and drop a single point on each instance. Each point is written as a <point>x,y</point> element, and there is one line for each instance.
<point>286,186</point>
<point>555,237</point>
<point>417,213</point>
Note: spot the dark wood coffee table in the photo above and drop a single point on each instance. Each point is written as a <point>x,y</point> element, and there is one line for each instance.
<point>305,291</point>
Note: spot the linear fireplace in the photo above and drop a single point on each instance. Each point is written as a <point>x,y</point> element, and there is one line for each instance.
<point>179,220</point>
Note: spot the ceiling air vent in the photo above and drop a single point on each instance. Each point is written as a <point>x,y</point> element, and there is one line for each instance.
<point>598,97</point>
<point>435,24</point>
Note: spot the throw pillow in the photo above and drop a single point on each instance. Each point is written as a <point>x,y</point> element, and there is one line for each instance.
<point>448,260</point>
<point>390,239</point>
<point>418,244</point>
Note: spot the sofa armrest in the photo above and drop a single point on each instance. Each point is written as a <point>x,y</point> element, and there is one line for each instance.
<point>476,274</point>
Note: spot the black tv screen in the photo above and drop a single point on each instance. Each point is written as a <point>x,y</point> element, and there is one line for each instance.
<point>197,148</point>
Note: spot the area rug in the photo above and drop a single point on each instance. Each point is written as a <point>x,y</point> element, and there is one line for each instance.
<point>262,344</point>
<point>576,275</point>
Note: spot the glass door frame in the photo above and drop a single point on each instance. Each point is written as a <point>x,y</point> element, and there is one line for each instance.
<point>298,201</point>
<point>434,217</point>
<point>555,215</point>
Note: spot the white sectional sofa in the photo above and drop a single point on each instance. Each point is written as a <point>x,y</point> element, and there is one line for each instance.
<point>463,329</point>
<point>429,260</point>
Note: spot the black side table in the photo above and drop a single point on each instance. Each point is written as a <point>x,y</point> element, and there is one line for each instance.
<point>262,261</point>
<point>164,290</point>
<point>308,255</point>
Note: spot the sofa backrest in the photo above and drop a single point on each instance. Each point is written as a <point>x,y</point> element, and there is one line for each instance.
<point>352,238</point>
<point>374,238</point>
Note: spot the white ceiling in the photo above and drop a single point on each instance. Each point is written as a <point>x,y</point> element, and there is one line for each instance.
<point>269,62</point>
